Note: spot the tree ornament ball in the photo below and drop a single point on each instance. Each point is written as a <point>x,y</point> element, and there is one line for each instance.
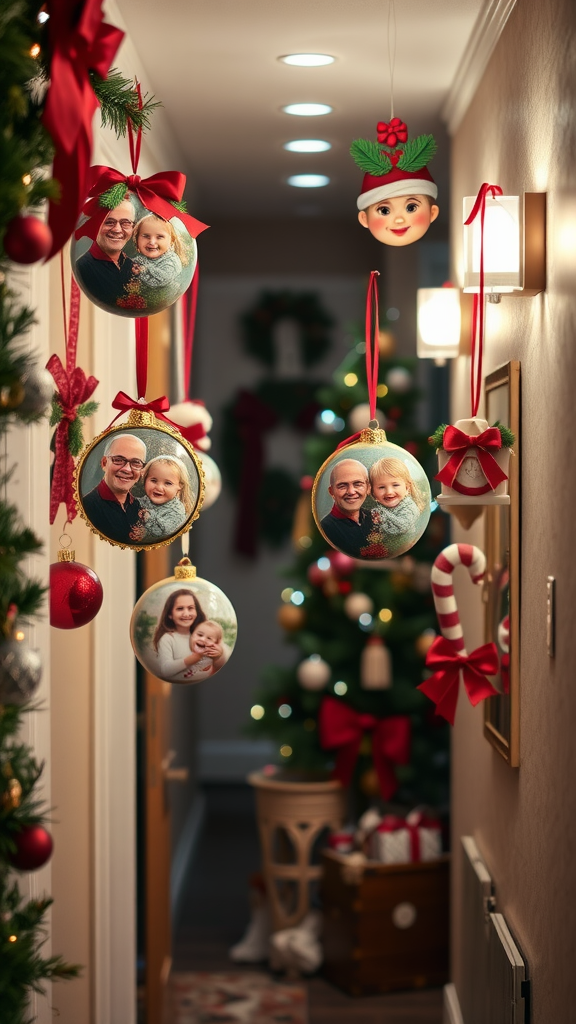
<point>212,480</point>
<point>33,848</point>
<point>317,576</point>
<point>424,642</point>
<point>359,417</point>
<point>291,618</point>
<point>75,593</point>
<point>342,564</point>
<point>12,796</point>
<point>386,344</point>
<point>313,673</point>
<point>20,671</point>
<point>369,783</point>
<point>399,379</point>
<point>27,239</point>
<point>357,604</point>
<point>37,391</point>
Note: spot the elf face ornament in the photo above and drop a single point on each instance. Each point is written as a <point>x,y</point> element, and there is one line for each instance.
<point>397,201</point>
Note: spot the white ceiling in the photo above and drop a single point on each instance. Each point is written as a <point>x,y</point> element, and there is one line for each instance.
<point>213,63</point>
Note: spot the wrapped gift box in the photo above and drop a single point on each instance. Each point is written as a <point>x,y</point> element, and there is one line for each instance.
<point>401,841</point>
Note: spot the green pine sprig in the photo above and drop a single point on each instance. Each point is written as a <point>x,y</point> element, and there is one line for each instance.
<point>113,196</point>
<point>75,431</point>
<point>370,157</point>
<point>436,439</point>
<point>118,100</point>
<point>416,153</point>
<point>179,205</point>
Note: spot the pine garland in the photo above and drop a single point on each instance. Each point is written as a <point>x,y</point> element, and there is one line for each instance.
<point>437,438</point>
<point>118,99</point>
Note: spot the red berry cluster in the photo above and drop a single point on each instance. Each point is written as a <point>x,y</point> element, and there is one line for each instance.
<point>393,133</point>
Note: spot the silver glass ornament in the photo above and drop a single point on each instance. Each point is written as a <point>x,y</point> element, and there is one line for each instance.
<point>20,672</point>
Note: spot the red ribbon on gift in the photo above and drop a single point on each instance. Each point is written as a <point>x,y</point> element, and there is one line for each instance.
<point>80,42</point>
<point>342,728</point>
<point>442,687</point>
<point>459,443</point>
<point>413,823</point>
<point>156,193</point>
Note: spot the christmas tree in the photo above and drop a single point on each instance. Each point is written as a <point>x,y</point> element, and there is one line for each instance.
<point>361,631</point>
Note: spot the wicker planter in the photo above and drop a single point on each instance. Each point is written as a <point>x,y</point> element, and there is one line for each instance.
<point>291,816</point>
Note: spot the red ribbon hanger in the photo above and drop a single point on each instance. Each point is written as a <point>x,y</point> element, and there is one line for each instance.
<point>341,728</point>
<point>477,346</point>
<point>442,687</point>
<point>456,441</point>
<point>80,42</point>
<point>372,350</point>
<point>73,389</point>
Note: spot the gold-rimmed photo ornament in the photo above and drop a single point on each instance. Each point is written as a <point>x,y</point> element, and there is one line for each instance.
<point>371,499</point>
<point>183,629</point>
<point>139,484</point>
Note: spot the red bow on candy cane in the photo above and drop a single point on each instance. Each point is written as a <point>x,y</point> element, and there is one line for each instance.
<point>156,193</point>
<point>341,728</point>
<point>73,388</point>
<point>442,687</point>
<point>80,42</point>
<point>459,443</point>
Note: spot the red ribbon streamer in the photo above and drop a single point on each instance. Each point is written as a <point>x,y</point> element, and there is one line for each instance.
<point>135,147</point>
<point>341,728</point>
<point>459,443</point>
<point>73,388</point>
<point>418,820</point>
<point>156,193</point>
<point>80,42</point>
<point>189,307</point>
<point>442,687</point>
<point>142,357</point>
<point>477,338</point>
<point>372,349</point>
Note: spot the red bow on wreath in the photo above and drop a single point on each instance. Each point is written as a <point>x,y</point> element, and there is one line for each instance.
<point>442,687</point>
<point>342,728</point>
<point>456,441</point>
<point>156,193</point>
<point>80,42</point>
<point>73,389</point>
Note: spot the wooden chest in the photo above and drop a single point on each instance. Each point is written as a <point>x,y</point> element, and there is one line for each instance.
<point>387,926</point>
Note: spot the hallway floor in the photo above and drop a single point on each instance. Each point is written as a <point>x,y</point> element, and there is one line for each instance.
<point>215,912</point>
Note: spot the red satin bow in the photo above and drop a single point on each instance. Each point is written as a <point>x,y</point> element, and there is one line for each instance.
<point>158,406</point>
<point>80,42</point>
<point>156,193</point>
<point>73,389</point>
<point>442,687</point>
<point>341,727</point>
<point>457,441</point>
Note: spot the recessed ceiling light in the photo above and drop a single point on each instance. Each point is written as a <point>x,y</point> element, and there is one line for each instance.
<point>307,60</point>
<point>307,146</point>
<point>308,180</point>
<point>307,109</point>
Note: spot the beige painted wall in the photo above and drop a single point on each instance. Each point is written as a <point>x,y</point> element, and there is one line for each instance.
<point>520,132</point>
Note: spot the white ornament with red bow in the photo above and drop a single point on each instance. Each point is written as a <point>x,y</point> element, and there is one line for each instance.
<point>473,464</point>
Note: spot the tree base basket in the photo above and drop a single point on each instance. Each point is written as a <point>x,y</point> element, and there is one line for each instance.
<point>292,814</point>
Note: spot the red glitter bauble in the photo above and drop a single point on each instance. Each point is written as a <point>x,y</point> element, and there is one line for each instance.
<point>33,848</point>
<point>316,575</point>
<point>342,564</point>
<point>75,595</point>
<point>27,239</point>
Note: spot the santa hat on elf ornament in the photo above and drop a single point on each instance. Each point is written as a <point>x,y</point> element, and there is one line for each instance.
<point>396,201</point>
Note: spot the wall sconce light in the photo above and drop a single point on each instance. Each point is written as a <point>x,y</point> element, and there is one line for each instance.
<point>514,245</point>
<point>439,323</point>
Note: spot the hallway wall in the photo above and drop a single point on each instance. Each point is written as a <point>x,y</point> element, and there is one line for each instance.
<point>520,132</point>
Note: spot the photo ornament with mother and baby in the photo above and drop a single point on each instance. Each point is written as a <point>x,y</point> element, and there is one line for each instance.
<point>371,499</point>
<point>140,484</point>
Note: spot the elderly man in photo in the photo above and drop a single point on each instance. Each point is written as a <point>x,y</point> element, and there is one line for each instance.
<point>110,506</point>
<point>105,268</point>
<point>347,524</point>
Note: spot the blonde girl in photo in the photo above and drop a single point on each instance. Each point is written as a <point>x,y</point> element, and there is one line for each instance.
<point>167,501</point>
<point>399,501</point>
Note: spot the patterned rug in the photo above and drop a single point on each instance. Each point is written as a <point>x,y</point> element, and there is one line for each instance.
<point>238,997</point>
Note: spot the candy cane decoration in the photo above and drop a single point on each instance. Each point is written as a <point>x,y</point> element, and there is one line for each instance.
<point>443,587</point>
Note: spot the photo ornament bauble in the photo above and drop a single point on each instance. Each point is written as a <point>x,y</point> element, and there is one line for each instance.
<point>130,260</point>
<point>183,629</point>
<point>371,499</point>
<point>140,484</point>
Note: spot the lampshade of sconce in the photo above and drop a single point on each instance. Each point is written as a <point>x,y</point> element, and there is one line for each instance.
<point>514,245</point>
<point>438,322</point>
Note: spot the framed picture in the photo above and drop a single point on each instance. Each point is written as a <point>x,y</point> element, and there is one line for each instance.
<point>371,500</point>
<point>183,630</point>
<point>139,485</point>
<point>502,581</point>
<point>137,263</point>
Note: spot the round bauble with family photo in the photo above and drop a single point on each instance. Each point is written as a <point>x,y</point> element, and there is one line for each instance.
<point>183,629</point>
<point>140,484</point>
<point>371,499</point>
<point>129,260</point>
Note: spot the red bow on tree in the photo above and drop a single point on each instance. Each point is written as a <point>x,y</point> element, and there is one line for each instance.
<point>80,42</point>
<point>442,687</point>
<point>341,728</point>
<point>156,193</point>
<point>72,390</point>
<point>393,133</point>
<point>459,443</point>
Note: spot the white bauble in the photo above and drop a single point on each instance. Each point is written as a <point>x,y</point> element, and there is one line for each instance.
<point>212,480</point>
<point>187,414</point>
<point>313,673</point>
<point>399,380</point>
<point>359,417</point>
<point>357,604</point>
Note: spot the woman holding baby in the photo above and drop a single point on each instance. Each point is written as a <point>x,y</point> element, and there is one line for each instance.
<point>189,646</point>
